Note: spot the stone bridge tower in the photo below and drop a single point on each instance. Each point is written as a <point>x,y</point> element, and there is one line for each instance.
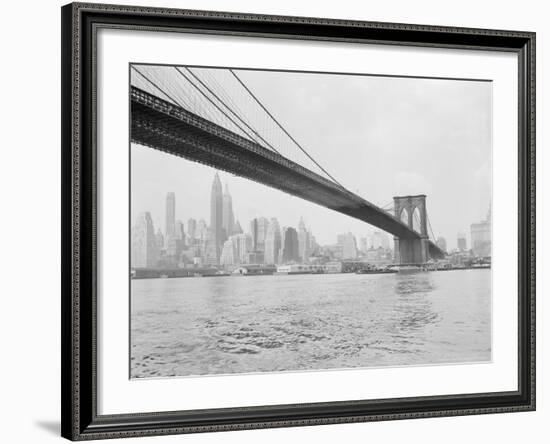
<point>412,211</point>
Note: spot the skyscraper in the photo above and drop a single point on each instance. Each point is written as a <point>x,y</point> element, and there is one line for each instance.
<point>180,231</point>
<point>228,220</point>
<point>289,247</point>
<point>230,252</point>
<point>244,242</point>
<point>216,218</point>
<point>272,242</point>
<point>170,216</point>
<point>461,242</point>
<point>481,236</point>
<point>258,231</point>
<point>303,241</point>
<point>145,252</point>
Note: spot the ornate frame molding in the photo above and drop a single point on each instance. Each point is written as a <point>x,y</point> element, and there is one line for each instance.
<point>80,22</point>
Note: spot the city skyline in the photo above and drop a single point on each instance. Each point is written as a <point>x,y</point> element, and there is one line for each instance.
<point>250,208</point>
<point>223,242</point>
<point>190,225</point>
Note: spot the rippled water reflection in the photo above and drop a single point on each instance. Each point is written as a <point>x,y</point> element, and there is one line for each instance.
<point>220,325</point>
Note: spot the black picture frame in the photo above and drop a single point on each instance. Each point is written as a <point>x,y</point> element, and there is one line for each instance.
<point>80,420</point>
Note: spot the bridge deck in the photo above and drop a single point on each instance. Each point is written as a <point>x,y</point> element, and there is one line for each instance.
<point>166,127</point>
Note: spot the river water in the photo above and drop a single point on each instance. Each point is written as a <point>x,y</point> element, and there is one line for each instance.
<point>227,324</point>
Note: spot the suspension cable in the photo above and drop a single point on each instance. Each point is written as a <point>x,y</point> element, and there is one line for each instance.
<point>282,128</point>
<point>233,112</point>
<point>213,103</point>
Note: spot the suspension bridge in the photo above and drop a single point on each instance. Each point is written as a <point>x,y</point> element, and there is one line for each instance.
<point>211,116</point>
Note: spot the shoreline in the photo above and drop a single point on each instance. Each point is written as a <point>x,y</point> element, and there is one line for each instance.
<point>212,275</point>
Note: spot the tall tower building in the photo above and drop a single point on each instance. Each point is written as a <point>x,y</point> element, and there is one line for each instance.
<point>289,247</point>
<point>180,230</point>
<point>145,253</point>
<point>228,219</point>
<point>244,243</point>
<point>481,236</point>
<point>272,242</point>
<point>303,241</point>
<point>230,252</point>
<point>216,218</point>
<point>461,242</point>
<point>170,231</point>
<point>202,230</point>
<point>258,231</point>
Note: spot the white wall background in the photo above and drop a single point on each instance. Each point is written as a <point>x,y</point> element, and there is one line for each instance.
<point>30,221</point>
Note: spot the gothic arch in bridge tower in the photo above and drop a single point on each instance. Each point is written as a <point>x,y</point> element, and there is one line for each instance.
<point>416,220</point>
<point>411,210</point>
<point>404,216</point>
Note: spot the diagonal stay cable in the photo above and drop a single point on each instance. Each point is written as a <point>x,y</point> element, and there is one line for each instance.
<point>214,103</point>
<point>162,91</point>
<point>431,230</point>
<point>282,128</point>
<point>158,88</point>
<point>229,109</point>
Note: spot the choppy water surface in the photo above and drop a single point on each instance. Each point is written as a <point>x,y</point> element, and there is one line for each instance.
<point>220,325</point>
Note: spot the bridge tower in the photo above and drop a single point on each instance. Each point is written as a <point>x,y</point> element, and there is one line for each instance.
<point>412,211</point>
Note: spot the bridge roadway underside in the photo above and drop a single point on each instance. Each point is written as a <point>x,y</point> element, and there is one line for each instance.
<point>166,127</point>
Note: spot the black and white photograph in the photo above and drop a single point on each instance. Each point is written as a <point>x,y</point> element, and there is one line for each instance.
<point>307,221</point>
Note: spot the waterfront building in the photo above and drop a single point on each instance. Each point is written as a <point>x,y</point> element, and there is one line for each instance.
<point>442,243</point>
<point>348,244</point>
<point>228,219</point>
<point>255,257</point>
<point>332,251</point>
<point>145,252</point>
<point>272,242</point>
<point>170,227</point>
<point>186,258</point>
<point>461,242</point>
<point>216,220</point>
<point>289,246</point>
<point>481,236</point>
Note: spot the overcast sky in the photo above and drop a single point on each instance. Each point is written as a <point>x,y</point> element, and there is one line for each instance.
<point>378,136</point>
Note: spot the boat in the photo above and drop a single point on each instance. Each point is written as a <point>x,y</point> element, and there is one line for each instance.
<point>375,271</point>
